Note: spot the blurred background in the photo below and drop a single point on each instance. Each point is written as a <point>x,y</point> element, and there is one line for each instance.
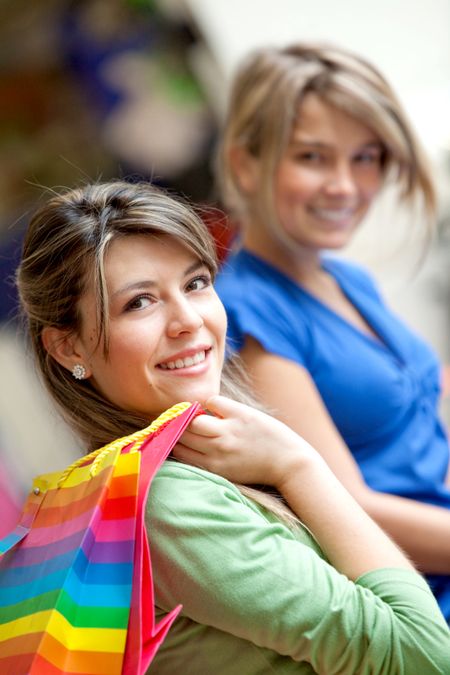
<point>98,89</point>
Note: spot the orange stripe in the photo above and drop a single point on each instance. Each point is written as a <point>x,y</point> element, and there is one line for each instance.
<point>91,663</point>
<point>60,514</point>
<point>63,496</point>
<point>54,510</point>
<point>123,486</point>
<point>34,664</point>
<point>18,655</point>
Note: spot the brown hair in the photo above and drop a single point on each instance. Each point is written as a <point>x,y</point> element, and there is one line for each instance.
<point>65,246</point>
<point>263,106</point>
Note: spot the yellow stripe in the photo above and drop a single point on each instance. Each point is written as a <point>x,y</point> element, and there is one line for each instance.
<point>127,464</point>
<point>83,639</point>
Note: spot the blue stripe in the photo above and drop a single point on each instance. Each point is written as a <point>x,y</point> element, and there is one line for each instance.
<point>101,595</point>
<point>88,571</point>
<point>12,538</point>
<point>16,576</point>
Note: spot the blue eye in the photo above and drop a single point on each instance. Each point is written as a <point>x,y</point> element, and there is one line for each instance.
<point>372,157</point>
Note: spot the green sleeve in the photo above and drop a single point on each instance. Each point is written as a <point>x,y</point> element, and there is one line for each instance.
<point>237,569</point>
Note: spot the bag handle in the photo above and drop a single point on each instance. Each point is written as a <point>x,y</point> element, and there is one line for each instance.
<point>134,440</point>
<point>144,636</point>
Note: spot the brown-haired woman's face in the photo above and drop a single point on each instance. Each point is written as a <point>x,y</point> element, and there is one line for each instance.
<point>328,176</point>
<point>166,327</point>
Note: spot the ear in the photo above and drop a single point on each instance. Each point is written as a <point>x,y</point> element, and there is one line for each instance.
<point>65,347</point>
<point>245,168</point>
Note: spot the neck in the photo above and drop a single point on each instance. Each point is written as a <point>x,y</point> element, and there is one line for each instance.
<point>298,262</point>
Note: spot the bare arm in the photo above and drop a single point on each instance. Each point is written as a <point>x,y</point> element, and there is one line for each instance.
<point>446,396</point>
<point>420,529</point>
<point>248,446</point>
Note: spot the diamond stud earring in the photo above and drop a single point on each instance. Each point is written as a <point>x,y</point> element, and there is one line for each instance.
<point>79,371</point>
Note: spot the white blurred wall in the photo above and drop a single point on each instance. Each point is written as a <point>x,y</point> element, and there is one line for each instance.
<point>407,39</point>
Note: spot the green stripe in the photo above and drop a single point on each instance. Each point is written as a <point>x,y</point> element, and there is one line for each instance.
<point>92,617</point>
<point>81,617</point>
<point>37,604</point>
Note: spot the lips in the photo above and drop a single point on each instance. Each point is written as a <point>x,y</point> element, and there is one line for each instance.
<point>185,362</point>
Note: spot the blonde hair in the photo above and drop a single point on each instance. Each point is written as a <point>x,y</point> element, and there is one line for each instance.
<point>64,247</point>
<point>263,107</point>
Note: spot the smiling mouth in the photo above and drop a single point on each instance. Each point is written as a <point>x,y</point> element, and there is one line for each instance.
<point>335,215</point>
<point>187,362</point>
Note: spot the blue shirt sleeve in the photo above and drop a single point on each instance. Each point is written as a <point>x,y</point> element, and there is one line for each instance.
<point>258,308</point>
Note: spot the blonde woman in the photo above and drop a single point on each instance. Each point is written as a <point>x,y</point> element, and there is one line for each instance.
<point>116,284</point>
<point>311,135</point>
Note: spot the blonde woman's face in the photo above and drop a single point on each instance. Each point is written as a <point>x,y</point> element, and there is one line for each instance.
<point>328,176</point>
<point>167,327</point>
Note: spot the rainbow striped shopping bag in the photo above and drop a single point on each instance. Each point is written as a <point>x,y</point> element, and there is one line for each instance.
<point>76,591</point>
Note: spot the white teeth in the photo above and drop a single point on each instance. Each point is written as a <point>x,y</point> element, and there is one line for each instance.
<point>334,214</point>
<point>184,363</point>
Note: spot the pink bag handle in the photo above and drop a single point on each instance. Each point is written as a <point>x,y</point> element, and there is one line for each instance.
<point>144,637</point>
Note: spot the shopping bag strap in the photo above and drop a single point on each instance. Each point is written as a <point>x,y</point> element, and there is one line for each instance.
<point>25,524</point>
<point>144,636</point>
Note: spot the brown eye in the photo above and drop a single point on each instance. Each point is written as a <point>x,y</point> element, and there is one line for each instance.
<point>199,283</point>
<point>140,302</point>
<point>309,157</point>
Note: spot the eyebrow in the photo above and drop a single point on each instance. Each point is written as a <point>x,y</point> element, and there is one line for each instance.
<point>150,283</point>
<point>318,144</point>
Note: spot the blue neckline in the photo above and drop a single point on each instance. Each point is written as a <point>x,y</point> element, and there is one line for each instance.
<point>383,340</point>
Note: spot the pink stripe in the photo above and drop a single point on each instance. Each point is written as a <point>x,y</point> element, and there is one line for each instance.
<point>39,536</point>
<point>116,530</point>
<point>109,531</point>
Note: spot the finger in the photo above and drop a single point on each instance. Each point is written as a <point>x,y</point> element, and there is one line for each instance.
<point>195,441</point>
<point>187,455</point>
<point>206,425</point>
<point>224,407</point>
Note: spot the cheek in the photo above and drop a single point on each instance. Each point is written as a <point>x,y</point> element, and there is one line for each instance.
<point>371,184</point>
<point>129,346</point>
<point>217,320</point>
<point>296,185</point>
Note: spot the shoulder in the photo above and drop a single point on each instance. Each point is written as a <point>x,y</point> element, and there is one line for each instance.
<point>190,507</point>
<point>187,489</point>
<point>263,303</point>
<point>243,270</point>
<point>353,273</point>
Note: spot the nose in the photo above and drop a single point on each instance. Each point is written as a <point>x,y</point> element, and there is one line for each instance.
<point>183,317</point>
<point>340,180</point>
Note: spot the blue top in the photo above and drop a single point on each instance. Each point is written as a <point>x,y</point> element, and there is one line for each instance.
<point>382,392</point>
